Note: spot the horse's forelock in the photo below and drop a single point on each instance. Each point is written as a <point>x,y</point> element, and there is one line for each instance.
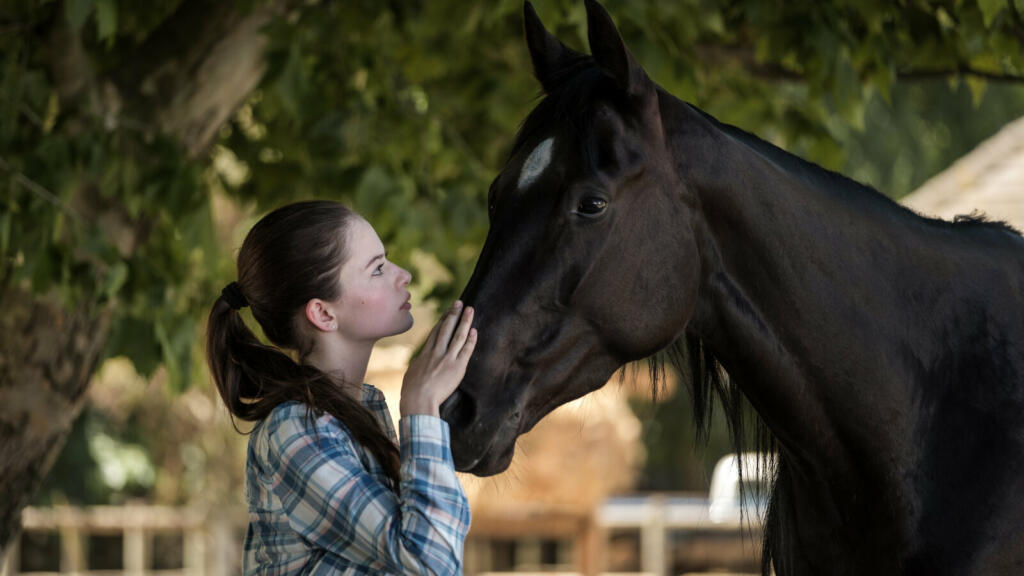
<point>569,104</point>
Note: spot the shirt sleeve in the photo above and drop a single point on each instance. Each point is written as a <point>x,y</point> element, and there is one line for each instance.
<point>335,504</point>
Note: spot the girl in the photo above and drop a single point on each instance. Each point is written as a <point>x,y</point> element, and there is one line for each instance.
<point>328,489</point>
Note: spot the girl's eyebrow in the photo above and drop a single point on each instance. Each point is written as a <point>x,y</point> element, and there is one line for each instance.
<point>374,259</point>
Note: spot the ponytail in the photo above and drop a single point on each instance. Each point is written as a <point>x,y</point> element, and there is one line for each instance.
<point>254,378</point>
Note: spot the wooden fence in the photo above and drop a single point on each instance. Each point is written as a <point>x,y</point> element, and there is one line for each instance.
<point>164,541</point>
<point>129,540</point>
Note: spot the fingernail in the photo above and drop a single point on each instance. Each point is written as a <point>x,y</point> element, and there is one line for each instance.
<point>457,304</point>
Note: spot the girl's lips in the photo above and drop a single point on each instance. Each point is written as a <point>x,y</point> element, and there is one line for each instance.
<point>407,305</point>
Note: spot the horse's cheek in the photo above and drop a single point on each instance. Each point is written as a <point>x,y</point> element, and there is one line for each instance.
<point>649,318</point>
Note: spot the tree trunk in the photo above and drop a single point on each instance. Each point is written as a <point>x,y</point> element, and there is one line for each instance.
<point>186,80</point>
<point>47,355</point>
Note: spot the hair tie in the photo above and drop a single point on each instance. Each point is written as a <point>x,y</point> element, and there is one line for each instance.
<point>232,294</point>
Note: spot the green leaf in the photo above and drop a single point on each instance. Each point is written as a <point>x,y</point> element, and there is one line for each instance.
<point>115,280</point>
<point>52,112</point>
<point>989,10</point>
<point>848,92</point>
<point>883,78</point>
<point>977,87</point>
<point>78,11</point>
<point>106,20</point>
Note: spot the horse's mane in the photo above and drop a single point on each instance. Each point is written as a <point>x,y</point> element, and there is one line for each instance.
<point>708,384</point>
<point>978,219</point>
<point>834,181</point>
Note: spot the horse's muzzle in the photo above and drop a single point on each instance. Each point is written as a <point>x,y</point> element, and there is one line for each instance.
<point>478,447</point>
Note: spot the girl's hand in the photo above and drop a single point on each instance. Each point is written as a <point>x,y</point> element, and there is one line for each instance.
<point>438,370</point>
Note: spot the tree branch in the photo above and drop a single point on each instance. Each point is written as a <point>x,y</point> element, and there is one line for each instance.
<point>962,70</point>
<point>39,190</point>
<point>194,71</point>
<point>713,56</point>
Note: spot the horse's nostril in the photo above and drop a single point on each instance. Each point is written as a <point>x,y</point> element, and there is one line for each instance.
<point>459,409</point>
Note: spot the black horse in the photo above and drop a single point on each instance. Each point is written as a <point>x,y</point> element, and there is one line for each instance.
<point>883,350</point>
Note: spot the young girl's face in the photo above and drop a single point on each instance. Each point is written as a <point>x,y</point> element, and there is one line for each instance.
<point>374,300</point>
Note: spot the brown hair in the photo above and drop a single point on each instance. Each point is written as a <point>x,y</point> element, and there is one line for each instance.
<point>290,256</point>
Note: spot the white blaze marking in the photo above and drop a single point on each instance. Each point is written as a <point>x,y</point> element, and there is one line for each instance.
<point>535,164</point>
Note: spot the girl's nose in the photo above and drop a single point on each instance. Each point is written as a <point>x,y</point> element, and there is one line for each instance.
<point>404,277</point>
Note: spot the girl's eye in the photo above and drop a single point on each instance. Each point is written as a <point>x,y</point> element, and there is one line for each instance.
<point>379,269</point>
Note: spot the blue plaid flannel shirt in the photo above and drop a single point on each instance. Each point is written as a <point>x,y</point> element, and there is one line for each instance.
<point>326,508</point>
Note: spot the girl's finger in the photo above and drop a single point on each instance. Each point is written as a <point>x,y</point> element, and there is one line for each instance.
<point>459,338</point>
<point>428,344</point>
<point>467,348</point>
<point>445,329</point>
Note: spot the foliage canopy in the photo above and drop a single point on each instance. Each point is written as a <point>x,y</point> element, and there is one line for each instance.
<point>405,110</point>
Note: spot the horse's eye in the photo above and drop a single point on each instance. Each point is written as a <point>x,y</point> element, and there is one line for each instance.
<point>592,206</point>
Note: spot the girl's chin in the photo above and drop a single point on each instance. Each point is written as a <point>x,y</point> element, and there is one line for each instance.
<point>407,323</point>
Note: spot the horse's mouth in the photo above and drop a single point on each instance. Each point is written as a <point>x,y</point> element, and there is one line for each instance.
<point>494,457</point>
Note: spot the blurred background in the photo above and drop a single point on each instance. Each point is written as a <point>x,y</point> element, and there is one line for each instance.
<point>140,141</point>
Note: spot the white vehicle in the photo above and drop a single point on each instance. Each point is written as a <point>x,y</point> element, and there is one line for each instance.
<point>727,502</point>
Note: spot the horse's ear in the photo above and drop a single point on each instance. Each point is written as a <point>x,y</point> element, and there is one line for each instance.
<point>610,51</point>
<point>551,59</point>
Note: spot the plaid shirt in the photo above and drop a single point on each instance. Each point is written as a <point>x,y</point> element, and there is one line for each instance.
<point>327,508</point>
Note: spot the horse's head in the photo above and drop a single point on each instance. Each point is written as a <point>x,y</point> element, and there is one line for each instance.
<point>590,261</point>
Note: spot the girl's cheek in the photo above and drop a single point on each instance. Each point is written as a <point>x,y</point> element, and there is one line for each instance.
<point>368,299</point>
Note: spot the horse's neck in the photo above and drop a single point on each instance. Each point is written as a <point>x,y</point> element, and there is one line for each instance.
<point>793,295</point>
<point>826,301</point>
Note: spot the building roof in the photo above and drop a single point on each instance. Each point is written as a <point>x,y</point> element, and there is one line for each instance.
<point>989,179</point>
